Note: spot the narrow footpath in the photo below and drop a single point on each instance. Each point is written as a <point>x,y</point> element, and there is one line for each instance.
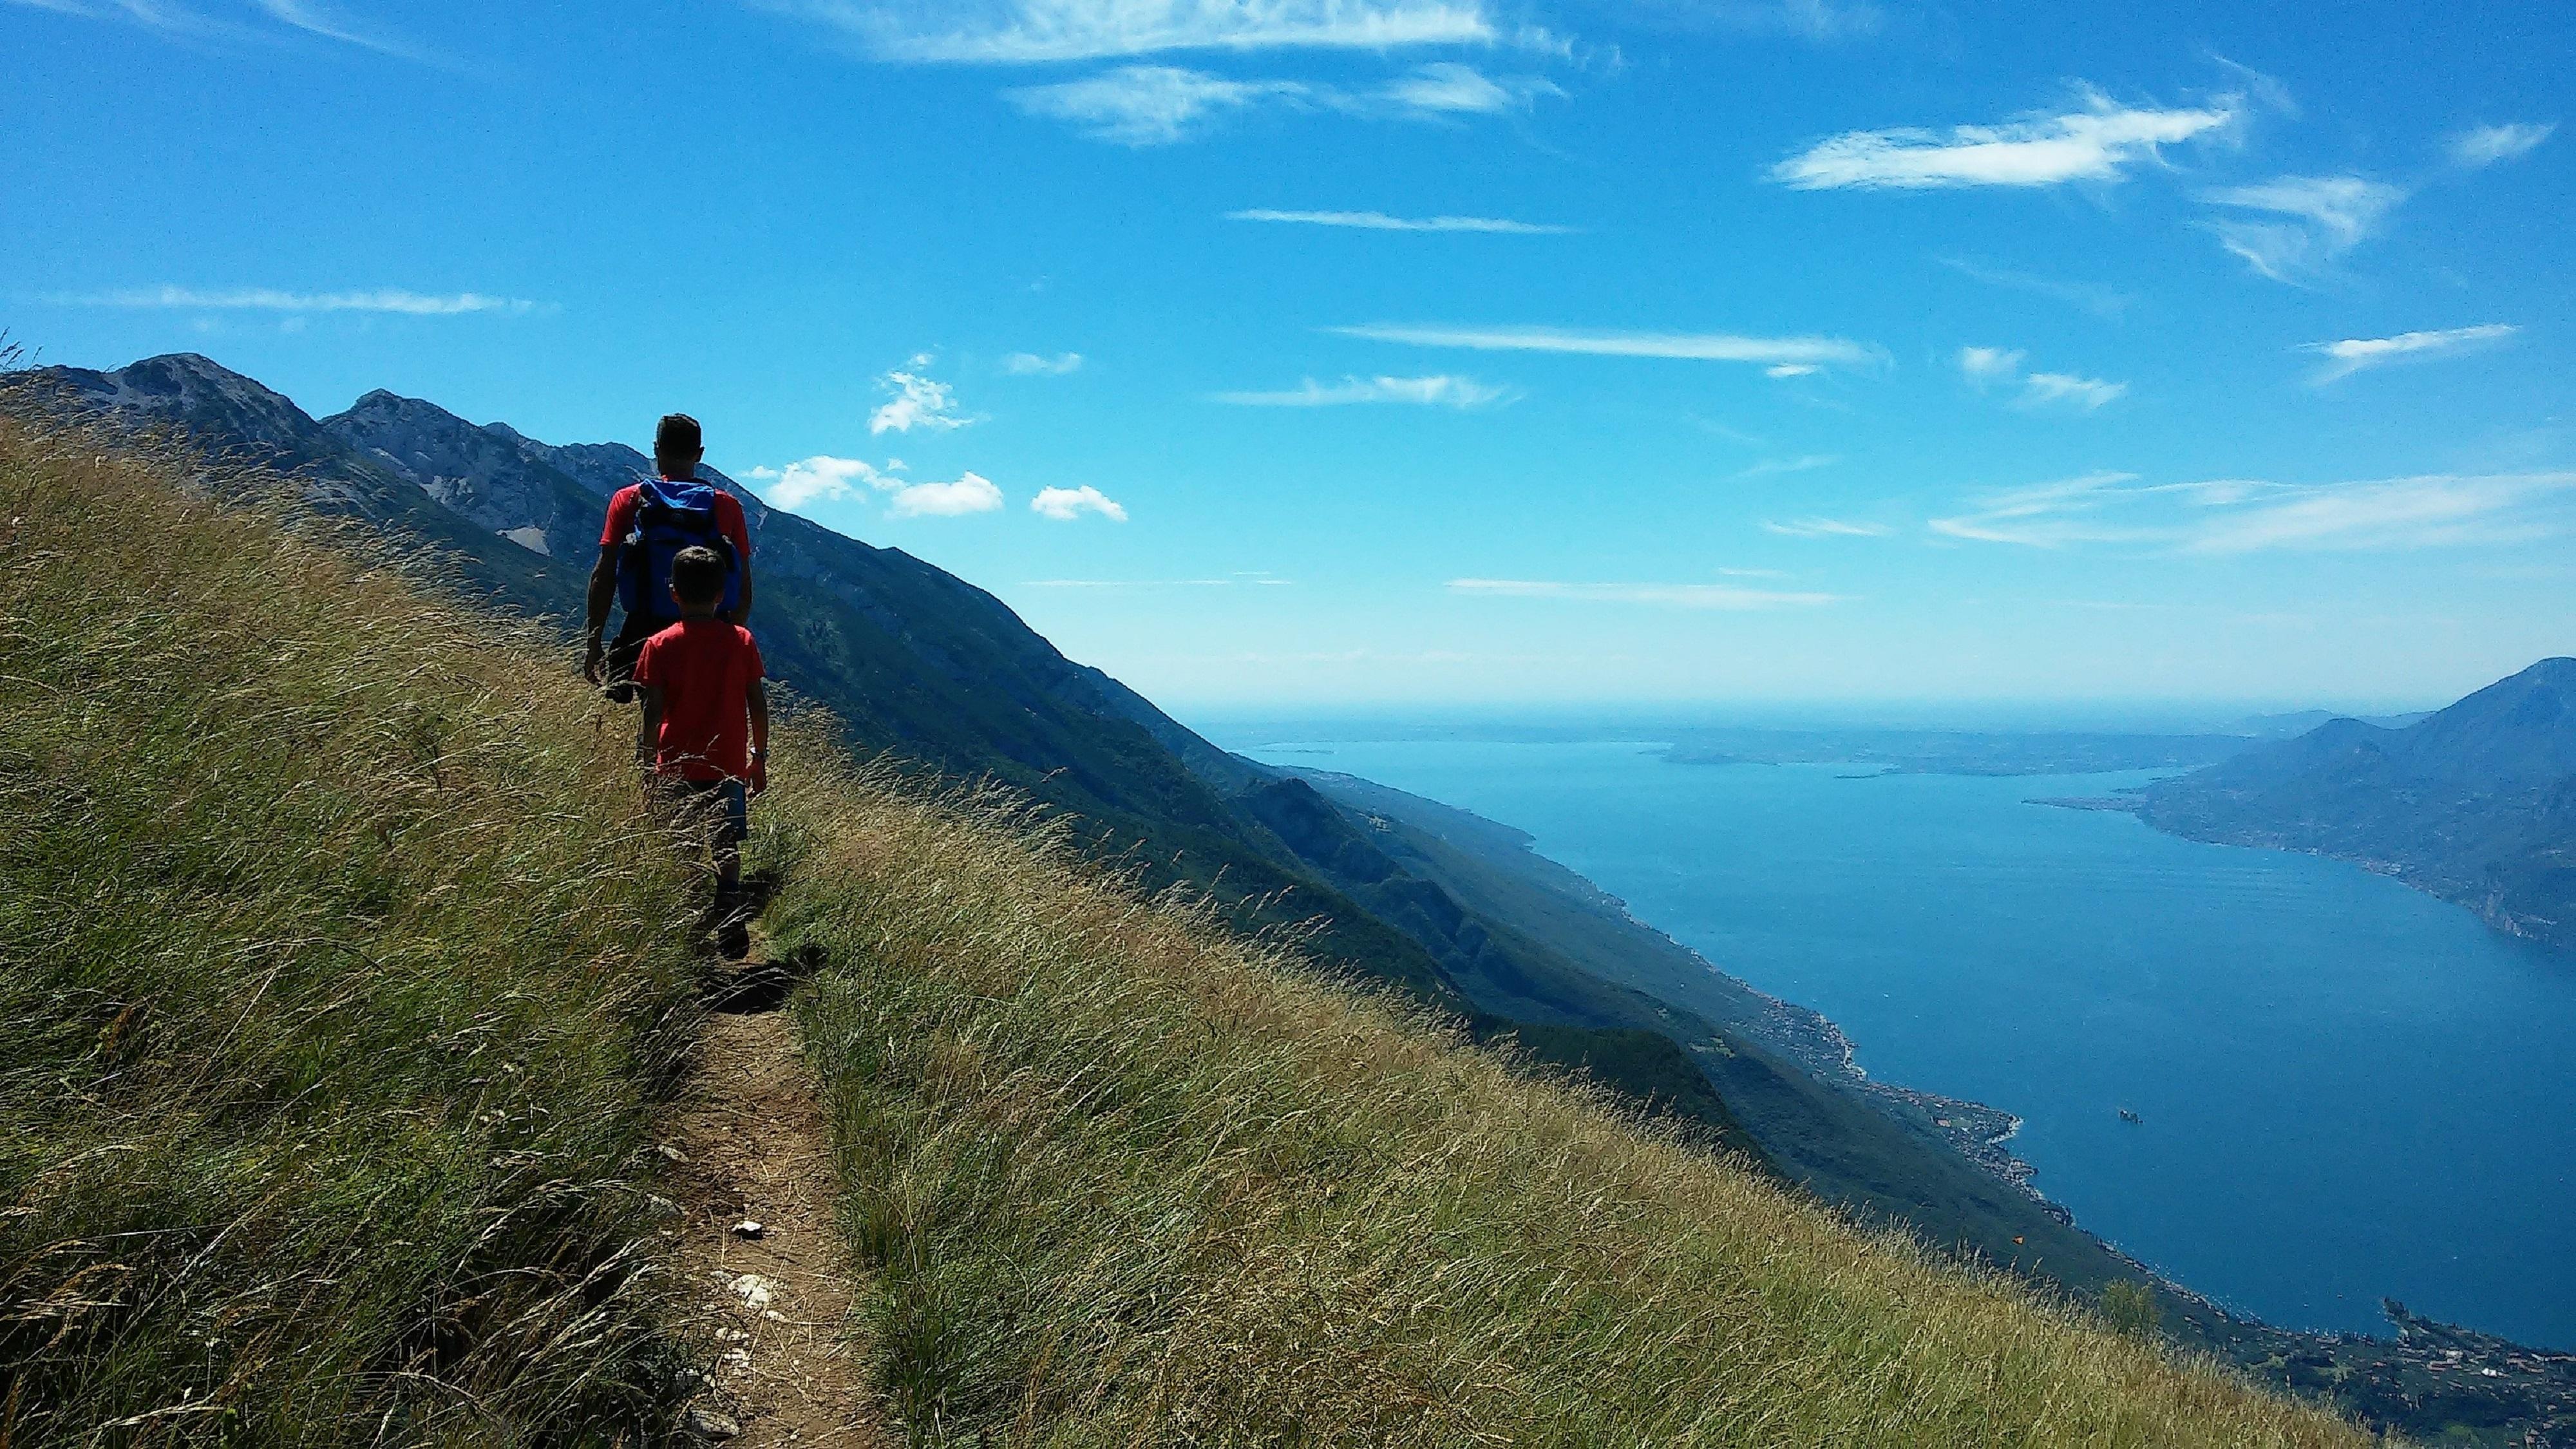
<point>759,1246</point>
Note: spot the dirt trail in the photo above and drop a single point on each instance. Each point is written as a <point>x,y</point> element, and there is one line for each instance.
<point>756,1150</point>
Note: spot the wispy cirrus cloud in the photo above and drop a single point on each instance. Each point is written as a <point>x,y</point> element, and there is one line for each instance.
<point>271,299</point>
<point>1158,105</point>
<point>1030,364</point>
<point>915,401</point>
<point>1380,221</point>
<point>1989,366</point>
<point>2240,516</point>
<point>1688,346</point>
<point>1438,390</point>
<point>1450,88</point>
<point>1150,105</point>
<point>2482,146</point>
<point>2302,224</point>
<point>228,20</point>
<point>2359,354</point>
<point>1825,528</point>
<point>1032,32</point>
<point>1773,467</point>
<point>2107,303</point>
<point>2040,389</point>
<point>1064,505</point>
<point>1728,597</point>
<point>2100,142</point>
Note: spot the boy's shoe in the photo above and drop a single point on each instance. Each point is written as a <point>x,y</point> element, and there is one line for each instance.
<point>733,925</point>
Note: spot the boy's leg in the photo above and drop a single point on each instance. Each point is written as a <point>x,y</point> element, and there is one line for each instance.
<point>732,821</point>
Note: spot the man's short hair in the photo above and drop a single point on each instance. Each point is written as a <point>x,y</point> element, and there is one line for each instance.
<point>678,439</point>
<point>697,575</point>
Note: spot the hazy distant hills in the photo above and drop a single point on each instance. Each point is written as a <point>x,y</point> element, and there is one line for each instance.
<point>2475,803</point>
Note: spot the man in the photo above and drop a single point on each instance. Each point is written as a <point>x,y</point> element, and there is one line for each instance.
<point>649,523</point>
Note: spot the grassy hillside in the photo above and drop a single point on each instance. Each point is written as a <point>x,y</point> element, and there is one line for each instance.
<point>343,989</point>
<point>1125,1178</point>
<point>337,989</point>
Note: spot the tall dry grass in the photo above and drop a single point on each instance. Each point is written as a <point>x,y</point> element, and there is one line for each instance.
<point>336,989</point>
<point>1126,1180</point>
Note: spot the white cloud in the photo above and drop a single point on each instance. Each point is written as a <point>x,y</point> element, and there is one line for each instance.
<point>2487,145</point>
<point>179,20</point>
<point>1825,528</point>
<point>969,494</point>
<point>321,20</point>
<point>1451,88</point>
<point>2237,516</point>
<point>1791,369</point>
<point>1438,390</point>
<point>265,299</point>
<point>2357,354</point>
<point>1149,105</point>
<point>1067,504</point>
<point>823,476</point>
<point>1699,346</point>
<point>1983,365</point>
<point>2101,301</point>
<point>915,402</point>
<point>1380,221</point>
<point>1025,32</point>
<point>1029,364</point>
<point>1730,597</point>
<point>2099,143</point>
<point>2043,388</point>
<point>1986,366</point>
<point>2326,216</point>
<point>1772,467</point>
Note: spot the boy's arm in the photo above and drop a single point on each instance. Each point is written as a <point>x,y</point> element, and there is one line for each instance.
<point>647,750</point>
<point>757,699</point>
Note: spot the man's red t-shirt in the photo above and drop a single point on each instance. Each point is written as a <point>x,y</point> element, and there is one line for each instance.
<point>621,519</point>
<point>704,668</point>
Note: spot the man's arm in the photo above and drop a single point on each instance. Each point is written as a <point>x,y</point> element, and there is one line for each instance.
<point>646,748</point>
<point>757,698</point>
<point>603,587</point>
<point>742,612</point>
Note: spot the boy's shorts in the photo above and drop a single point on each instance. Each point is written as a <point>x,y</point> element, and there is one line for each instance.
<point>721,808</point>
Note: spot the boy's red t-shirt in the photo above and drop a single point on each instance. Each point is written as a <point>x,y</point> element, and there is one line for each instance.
<point>704,668</point>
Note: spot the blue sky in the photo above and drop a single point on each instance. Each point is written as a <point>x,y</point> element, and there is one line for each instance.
<point>1323,353</point>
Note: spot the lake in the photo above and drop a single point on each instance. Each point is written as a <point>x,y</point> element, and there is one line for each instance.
<point>2347,1089</point>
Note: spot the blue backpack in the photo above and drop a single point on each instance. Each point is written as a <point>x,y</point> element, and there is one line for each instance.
<point>671,514</point>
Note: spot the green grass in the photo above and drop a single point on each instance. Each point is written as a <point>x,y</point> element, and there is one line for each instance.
<point>343,984</point>
<point>1125,1178</point>
<point>337,989</point>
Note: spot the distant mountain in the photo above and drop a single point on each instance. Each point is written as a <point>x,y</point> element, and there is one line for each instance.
<point>2475,803</point>
<point>930,670</point>
<point>2288,726</point>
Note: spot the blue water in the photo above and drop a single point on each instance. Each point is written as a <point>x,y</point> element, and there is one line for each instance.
<point>2349,1089</point>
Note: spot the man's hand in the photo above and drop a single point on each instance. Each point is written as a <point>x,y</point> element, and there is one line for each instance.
<point>759,783</point>
<point>594,665</point>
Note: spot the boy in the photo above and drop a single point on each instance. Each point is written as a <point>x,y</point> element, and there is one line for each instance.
<point>706,716</point>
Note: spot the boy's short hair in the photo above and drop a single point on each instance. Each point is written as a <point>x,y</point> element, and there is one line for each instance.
<point>678,439</point>
<point>697,575</point>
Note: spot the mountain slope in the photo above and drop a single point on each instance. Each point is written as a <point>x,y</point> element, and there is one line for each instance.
<point>912,660</point>
<point>2475,803</point>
